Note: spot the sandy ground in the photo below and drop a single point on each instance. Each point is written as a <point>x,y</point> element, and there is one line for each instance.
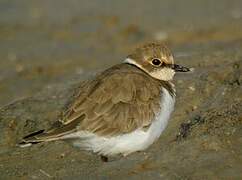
<point>48,47</point>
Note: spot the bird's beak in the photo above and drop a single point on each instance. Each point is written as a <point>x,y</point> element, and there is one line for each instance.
<point>179,68</point>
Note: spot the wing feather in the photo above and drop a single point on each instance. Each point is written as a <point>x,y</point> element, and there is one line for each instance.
<point>116,103</point>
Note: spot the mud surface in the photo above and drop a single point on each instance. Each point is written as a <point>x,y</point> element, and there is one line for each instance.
<point>48,47</point>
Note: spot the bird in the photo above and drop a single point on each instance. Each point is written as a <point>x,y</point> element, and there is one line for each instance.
<point>123,109</point>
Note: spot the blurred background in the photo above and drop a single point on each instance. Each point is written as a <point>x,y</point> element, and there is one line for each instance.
<point>44,42</point>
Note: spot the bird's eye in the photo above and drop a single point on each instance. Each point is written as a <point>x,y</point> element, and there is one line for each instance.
<point>156,62</point>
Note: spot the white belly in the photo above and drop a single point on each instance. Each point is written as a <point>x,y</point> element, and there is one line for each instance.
<point>131,142</point>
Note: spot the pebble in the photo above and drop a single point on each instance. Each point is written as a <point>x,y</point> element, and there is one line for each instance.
<point>192,88</point>
<point>19,68</point>
<point>194,108</point>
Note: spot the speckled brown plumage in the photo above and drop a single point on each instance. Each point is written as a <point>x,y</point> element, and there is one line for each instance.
<point>119,100</point>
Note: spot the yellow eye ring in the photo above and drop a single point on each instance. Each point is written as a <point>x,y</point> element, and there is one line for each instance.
<point>156,62</point>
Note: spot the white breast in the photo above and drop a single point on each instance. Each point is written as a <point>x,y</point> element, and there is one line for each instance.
<point>162,118</point>
<point>134,141</point>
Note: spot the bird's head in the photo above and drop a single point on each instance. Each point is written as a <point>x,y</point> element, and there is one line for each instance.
<point>156,60</point>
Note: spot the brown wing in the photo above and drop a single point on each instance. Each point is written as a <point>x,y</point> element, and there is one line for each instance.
<point>117,101</point>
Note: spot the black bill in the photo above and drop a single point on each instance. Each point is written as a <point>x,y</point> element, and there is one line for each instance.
<point>179,68</point>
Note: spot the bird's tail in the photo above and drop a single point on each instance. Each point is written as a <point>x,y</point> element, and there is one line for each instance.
<point>38,137</point>
<point>32,138</point>
<point>55,133</point>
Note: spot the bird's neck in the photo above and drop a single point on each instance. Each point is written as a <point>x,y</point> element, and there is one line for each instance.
<point>169,86</point>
